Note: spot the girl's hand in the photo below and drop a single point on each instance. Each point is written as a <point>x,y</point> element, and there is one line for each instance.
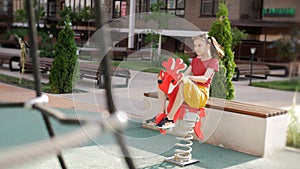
<point>187,77</point>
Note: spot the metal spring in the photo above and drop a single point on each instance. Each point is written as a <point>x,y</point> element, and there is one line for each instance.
<point>184,149</point>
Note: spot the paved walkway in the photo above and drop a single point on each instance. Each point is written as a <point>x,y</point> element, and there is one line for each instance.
<point>130,99</point>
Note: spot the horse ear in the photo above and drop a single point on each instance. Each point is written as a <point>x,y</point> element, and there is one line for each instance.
<point>161,74</point>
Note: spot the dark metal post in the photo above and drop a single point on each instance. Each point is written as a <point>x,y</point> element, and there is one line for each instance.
<point>252,50</point>
<point>36,62</point>
<point>52,134</point>
<point>107,83</point>
<point>33,46</point>
<point>51,48</point>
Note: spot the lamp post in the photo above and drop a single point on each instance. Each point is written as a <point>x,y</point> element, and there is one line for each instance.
<point>81,38</point>
<point>252,50</point>
<point>51,36</point>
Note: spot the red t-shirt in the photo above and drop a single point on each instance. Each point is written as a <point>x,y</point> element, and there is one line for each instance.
<point>199,68</point>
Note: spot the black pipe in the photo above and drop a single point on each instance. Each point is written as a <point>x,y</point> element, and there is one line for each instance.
<point>52,134</point>
<point>107,83</point>
<point>35,61</point>
<point>33,46</point>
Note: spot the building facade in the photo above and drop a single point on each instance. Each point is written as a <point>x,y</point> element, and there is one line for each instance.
<point>264,20</point>
<point>6,9</point>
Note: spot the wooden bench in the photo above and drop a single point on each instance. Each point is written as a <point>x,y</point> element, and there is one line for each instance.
<point>245,69</point>
<point>87,53</point>
<point>119,53</point>
<point>94,71</point>
<point>243,127</point>
<point>280,66</point>
<point>11,42</point>
<point>272,66</point>
<point>8,56</point>
<point>86,70</point>
<point>45,64</point>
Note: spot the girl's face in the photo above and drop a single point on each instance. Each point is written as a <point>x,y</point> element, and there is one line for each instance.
<point>200,47</point>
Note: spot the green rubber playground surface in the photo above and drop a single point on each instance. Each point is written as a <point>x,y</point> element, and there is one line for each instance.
<point>149,148</point>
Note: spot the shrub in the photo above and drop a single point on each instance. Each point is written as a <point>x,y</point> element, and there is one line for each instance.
<point>237,36</point>
<point>221,30</point>
<point>293,135</point>
<point>64,71</point>
<point>184,57</point>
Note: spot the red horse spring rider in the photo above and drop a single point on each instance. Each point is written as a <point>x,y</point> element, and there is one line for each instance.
<point>168,81</point>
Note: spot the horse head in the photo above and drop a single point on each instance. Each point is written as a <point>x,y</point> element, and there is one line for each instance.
<point>168,79</point>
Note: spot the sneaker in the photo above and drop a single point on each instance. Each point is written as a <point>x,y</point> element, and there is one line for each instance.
<point>156,119</point>
<point>166,124</point>
<point>151,121</point>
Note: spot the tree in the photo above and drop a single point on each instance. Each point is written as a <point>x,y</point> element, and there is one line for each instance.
<point>67,14</point>
<point>85,14</point>
<point>237,36</point>
<point>289,47</point>
<point>65,69</point>
<point>221,30</point>
<point>21,14</point>
<point>153,36</point>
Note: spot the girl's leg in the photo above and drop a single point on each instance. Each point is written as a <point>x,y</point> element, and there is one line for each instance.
<point>162,98</point>
<point>177,103</point>
<point>168,122</point>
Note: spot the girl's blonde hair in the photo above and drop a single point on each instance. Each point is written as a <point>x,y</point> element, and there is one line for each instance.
<point>216,50</point>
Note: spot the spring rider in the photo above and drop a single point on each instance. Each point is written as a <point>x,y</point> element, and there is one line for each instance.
<point>187,119</point>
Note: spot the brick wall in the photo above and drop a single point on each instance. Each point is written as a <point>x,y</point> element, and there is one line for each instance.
<point>234,9</point>
<point>192,14</point>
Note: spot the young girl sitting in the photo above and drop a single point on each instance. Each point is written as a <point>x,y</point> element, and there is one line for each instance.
<point>194,86</point>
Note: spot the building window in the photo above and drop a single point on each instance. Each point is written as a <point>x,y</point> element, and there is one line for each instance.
<point>119,8</point>
<point>175,7</point>
<point>209,7</point>
<point>4,7</point>
<point>51,8</point>
<point>143,6</point>
<point>78,5</point>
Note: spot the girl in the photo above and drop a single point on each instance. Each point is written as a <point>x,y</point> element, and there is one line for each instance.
<point>194,86</point>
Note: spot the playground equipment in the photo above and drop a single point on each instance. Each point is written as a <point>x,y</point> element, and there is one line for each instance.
<point>189,119</point>
<point>185,127</point>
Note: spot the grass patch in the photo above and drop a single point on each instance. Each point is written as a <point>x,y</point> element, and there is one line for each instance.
<point>85,57</point>
<point>287,85</point>
<point>28,84</point>
<point>15,81</point>
<point>143,66</point>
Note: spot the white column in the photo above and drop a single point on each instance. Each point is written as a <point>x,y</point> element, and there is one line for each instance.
<point>131,24</point>
<point>159,44</point>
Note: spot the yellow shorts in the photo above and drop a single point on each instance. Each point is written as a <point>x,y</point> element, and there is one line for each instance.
<point>195,95</point>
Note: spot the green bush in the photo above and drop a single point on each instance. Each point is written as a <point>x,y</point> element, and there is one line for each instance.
<point>20,32</point>
<point>65,69</point>
<point>184,57</point>
<point>221,30</point>
<point>293,135</point>
<point>237,36</point>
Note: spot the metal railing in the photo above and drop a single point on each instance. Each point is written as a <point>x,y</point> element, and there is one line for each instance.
<point>94,126</point>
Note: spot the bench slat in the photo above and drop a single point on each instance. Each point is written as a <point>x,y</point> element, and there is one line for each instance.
<point>94,71</point>
<point>257,69</point>
<point>86,70</point>
<point>236,107</point>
